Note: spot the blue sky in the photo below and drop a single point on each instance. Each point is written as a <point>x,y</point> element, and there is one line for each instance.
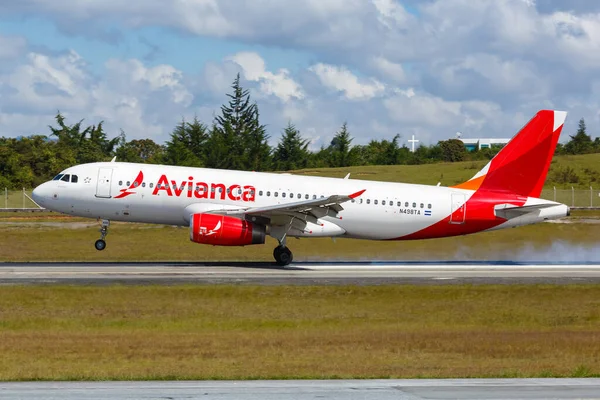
<point>428,68</point>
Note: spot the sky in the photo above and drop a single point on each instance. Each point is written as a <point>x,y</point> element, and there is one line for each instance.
<point>427,68</point>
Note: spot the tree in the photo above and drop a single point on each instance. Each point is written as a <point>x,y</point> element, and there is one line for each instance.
<point>292,151</point>
<point>87,145</point>
<point>340,146</point>
<point>139,151</point>
<point>581,143</point>
<point>383,152</point>
<point>452,150</point>
<point>187,144</point>
<point>257,151</point>
<point>241,141</point>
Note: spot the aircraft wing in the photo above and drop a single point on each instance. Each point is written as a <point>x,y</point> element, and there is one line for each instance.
<point>307,210</point>
<point>509,211</point>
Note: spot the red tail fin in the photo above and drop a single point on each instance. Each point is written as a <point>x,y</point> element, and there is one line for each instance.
<point>522,165</point>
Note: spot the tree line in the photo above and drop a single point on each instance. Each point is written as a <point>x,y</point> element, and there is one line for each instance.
<point>234,140</point>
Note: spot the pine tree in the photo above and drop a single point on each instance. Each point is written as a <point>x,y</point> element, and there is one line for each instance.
<point>292,151</point>
<point>242,140</point>
<point>257,150</point>
<point>186,146</point>
<point>581,143</point>
<point>340,146</point>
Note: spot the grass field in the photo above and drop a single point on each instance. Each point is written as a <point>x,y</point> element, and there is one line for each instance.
<point>59,238</point>
<point>227,332</point>
<point>586,167</point>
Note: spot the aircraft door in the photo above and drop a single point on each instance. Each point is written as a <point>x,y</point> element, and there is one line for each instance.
<point>459,209</point>
<point>104,182</point>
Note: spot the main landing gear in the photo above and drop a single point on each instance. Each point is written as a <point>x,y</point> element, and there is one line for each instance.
<point>283,255</point>
<point>101,243</point>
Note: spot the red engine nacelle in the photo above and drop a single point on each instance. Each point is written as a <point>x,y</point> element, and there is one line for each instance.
<point>221,230</point>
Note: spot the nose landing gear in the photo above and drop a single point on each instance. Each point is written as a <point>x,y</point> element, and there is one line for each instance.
<point>101,243</point>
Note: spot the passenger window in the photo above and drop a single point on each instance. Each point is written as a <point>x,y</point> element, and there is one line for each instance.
<point>129,183</point>
<point>374,201</point>
<point>283,194</point>
<point>120,183</point>
<point>276,194</point>
<point>299,196</point>
<point>260,192</point>
<point>360,201</point>
<point>314,196</point>
<point>415,205</point>
<point>428,205</point>
<point>306,196</point>
<point>383,202</point>
<point>268,194</point>
<point>74,178</point>
<point>422,205</point>
<point>368,201</point>
<point>406,204</point>
<point>151,185</point>
<point>136,184</point>
<point>399,204</point>
<point>143,184</point>
<point>66,178</point>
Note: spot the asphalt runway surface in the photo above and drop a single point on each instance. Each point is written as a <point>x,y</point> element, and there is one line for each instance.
<point>407,389</point>
<point>301,273</point>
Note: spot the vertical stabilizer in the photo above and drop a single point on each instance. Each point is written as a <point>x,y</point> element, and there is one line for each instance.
<point>522,165</point>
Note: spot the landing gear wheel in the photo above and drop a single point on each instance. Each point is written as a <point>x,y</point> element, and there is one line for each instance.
<point>100,244</point>
<point>283,255</point>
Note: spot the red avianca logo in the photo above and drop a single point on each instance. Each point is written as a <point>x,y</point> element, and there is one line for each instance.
<point>189,188</point>
<point>203,190</point>
<point>136,183</point>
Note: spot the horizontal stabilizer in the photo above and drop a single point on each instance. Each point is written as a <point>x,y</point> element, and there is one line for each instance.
<point>509,211</point>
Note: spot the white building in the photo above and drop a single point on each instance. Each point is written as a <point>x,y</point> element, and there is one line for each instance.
<point>472,144</point>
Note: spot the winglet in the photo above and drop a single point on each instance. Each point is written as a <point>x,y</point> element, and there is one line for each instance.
<point>347,176</point>
<point>114,159</point>
<point>355,195</point>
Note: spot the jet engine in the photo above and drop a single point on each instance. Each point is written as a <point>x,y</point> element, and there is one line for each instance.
<point>221,230</point>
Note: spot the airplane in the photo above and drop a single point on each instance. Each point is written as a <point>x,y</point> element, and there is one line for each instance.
<point>239,208</point>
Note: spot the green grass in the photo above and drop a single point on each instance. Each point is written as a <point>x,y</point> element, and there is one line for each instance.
<point>285,332</point>
<point>26,241</point>
<point>587,167</point>
<point>16,199</point>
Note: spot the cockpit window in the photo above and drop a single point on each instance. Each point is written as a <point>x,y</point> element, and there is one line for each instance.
<point>57,177</point>
<point>74,178</point>
<point>65,178</point>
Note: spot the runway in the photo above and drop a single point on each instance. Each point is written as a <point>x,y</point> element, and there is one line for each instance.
<point>302,273</point>
<point>397,389</point>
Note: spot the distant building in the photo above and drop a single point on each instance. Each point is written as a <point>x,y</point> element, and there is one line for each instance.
<point>472,144</point>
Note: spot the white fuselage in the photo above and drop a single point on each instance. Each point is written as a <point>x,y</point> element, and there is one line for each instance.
<point>384,211</point>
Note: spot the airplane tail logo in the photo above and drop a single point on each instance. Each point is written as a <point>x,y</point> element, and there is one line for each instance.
<point>522,165</point>
<point>137,182</point>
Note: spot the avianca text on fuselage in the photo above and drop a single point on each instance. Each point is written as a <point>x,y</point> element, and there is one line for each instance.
<point>203,190</point>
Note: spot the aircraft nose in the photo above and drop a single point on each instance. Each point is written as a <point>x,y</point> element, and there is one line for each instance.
<point>41,194</point>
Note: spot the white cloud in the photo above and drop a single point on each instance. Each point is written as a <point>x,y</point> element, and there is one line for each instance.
<point>279,84</point>
<point>448,65</point>
<point>342,80</point>
<point>390,70</point>
<point>11,46</point>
